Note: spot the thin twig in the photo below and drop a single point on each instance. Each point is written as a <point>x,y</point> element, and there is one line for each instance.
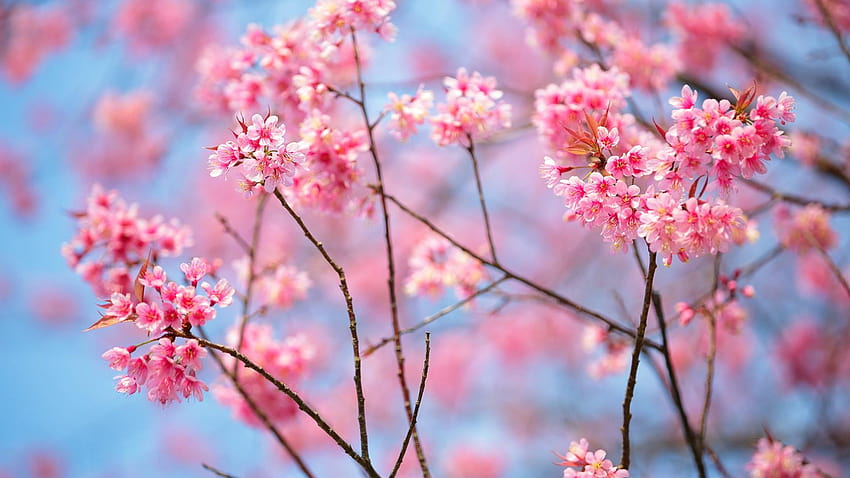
<point>717,463</point>
<point>412,426</point>
<point>259,412</point>
<point>215,471</point>
<point>471,150</point>
<point>836,271</point>
<point>712,352</point>
<point>233,233</point>
<point>709,376</point>
<point>830,23</point>
<point>431,318</point>
<point>802,201</point>
<point>252,273</point>
<point>391,273</point>
<point>675,391</point>
<point>299,402</point>
<point>560,299</point>
<point>639,341</point>
<point>352,325</point>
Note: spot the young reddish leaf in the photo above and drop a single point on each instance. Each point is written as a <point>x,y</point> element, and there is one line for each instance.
<point>693,188</point>
<point>735,93</point>
<point>591,123</point>
<point>660,130</point>
<point>138,287</point>
<point>578,149</point>
<point>105,321</point>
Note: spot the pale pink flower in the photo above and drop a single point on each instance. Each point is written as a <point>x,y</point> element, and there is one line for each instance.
<point>118,358</point>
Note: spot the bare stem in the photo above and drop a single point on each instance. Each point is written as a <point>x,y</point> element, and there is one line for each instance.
<point>233,233</point>
<point>259,413</point>
<point>391,273</point>
<point>709,377</point>
<point>352,325</point>
<point>412,426</point>
<point>712,353</point>
<point>675,391</point>
<point>832,266</point>
<point>830,23</point>
<point>471,150</point>
<point>802,201</point>
<point>299,402</point>
<point>560,299</point>
<point>216,471</point>
<point>431,318</point>
<point>639,340</point>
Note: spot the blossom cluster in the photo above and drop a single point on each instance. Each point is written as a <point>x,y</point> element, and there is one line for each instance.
<point>472,109</point>
<point>436,264</point>
<point>292,67</point>
<point>111,238</point>
<point>775,459</point>
<point>333,181</point>
<point>407,112</point>
<point>615,351</point>
<point>286,360</point>
<point>560,108</point>
<point>174,306</point>
<point>260,154</point>
<point>804,229</point>
<point>338,17</point>
<point>711,145</point>
<point>582,463</point>
<point>278,285</point>
<point>168,371</point>
<point>701,31</point>
<point>124,126</point>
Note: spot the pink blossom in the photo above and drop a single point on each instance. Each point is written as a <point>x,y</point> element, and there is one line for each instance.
<point>407,112</point>
<point>472,109</point>
<point>118,358</point>
<point>804,228</point>
<point>149,317</point>
<point>221,294</point>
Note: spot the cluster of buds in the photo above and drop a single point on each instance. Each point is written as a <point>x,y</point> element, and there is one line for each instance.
<point>260,153</point>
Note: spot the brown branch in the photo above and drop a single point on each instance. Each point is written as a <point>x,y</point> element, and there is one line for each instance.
<point>675,392</point>
<point>391,273</point>
<point>431,318</point>
<point>830,23</point>
<point>560,299</point>
<point>712,352</point>
<point>709,377</point>
<point>352,325</point>
<point>471,150</point>
<point>259,412</point>
<point>233,233</point>
<point>639,341</point>
<point>299,402</point>
<point>832,266</point>
<point>802,201</point>
<point>757,59</point>
<point>249,287</point>
<point>215,471</point>
<point>412,426</point>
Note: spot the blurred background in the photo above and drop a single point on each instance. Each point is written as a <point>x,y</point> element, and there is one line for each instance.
<point>114,93</point>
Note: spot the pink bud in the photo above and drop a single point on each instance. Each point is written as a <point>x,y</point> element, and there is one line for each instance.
<point>748,291</point>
